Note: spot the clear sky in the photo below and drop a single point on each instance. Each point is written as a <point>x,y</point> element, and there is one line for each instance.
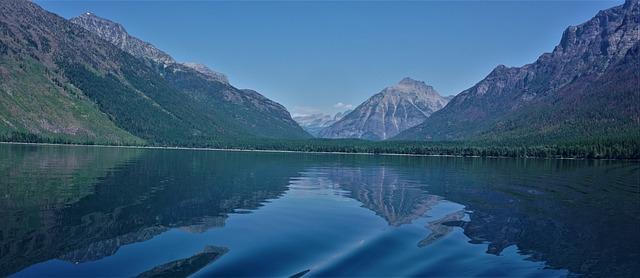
<point>311,55</point>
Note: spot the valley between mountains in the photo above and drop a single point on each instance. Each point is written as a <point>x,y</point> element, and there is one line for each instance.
<point>86,80</point>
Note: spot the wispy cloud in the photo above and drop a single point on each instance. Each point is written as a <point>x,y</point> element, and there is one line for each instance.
<point>341,105</point>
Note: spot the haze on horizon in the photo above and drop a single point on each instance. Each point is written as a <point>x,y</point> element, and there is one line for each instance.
<point>328,56</point>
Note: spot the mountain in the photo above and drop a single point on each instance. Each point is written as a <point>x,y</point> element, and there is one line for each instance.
<point>117,35</point>
<point>314,123</point>
<point>586,88</point>
<point>61,82</point>
<point>209,73</point>
<point>36,99</point>
<point>245,108</point>
<point>389,112</point>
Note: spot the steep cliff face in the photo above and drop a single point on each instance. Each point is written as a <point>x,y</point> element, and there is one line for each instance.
<point>563,80</point>
<point>209,73</point>
<point>389,112</point>
<point>117,35</point>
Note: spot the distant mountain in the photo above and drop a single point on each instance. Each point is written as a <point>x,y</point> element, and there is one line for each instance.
<point>389,112</point>
<point>314,123</point>
<point>61,82</point>
<point>588,87</point>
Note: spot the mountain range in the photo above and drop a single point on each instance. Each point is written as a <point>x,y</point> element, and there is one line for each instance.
<point>385,114</point>
<point>87,80</point>
<point>587,87</point>
<point>314,123</point>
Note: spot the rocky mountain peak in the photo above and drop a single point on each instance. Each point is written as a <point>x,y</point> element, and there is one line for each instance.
<point>207,72</point>
<point>314,123</point>
<point>408,84</point>
<point>93,17</point>
<point>585,49</point>
<point>607,35</point>
<point>409,81</point>
<point>117,35</point>
<point>577,71</point>
<point>388,112</point>
<point>628,4</point>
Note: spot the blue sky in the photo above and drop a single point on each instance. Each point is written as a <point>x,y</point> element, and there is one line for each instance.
<point>311,55</point>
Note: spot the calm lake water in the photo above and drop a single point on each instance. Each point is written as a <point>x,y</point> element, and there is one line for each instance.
<point>91,211</point>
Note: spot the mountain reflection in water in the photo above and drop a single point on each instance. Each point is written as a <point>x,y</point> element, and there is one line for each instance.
<point>79,211</point>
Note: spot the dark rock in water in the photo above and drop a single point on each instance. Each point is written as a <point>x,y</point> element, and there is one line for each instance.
<point>104,248</point>
<point>188,266</point>
<point>300,274</point>
<point>440,228</point>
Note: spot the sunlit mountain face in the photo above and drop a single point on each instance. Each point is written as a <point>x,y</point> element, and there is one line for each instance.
<point>316,122</point>
<point>389,112</point>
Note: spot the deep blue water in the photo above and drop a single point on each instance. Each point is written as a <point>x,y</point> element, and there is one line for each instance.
<point>93,211</point>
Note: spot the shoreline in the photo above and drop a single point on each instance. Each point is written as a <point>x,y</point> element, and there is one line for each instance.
<point>300,152</point>
<point>230,150</point>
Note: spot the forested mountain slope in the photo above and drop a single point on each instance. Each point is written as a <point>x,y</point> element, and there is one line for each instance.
<point>63,82</point>
<point>587,88</point>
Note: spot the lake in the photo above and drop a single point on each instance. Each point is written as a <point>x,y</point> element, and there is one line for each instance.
<point>101,211</point>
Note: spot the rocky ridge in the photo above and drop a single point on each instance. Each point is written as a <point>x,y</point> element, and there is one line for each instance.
<point>394,109</point>
<point>550,96</point>
<point>118,35</point>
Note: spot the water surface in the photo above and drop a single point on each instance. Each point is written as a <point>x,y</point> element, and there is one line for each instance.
<point>85,211</point>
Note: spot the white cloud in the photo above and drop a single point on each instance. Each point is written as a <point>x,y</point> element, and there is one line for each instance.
<point>341,105</point>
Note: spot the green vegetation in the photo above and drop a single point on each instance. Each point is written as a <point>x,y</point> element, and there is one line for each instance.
<point>165,117</point>
<point>623,147</point>
<point>77,170</point>
<point>170,111</point>
<point>60,84</point>
<point>604,148</point>
<point>34,100</point>
<point>244,111</point>
<point>159,118</point>
<point>608,106</point>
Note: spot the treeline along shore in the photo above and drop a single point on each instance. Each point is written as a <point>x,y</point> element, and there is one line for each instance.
<point>620,147</point>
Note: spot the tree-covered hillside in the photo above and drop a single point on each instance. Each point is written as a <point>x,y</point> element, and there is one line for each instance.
<point>63,83</point>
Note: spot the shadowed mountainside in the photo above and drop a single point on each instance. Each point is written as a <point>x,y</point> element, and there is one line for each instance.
<point>62,82</point>
<point>586,88</point>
